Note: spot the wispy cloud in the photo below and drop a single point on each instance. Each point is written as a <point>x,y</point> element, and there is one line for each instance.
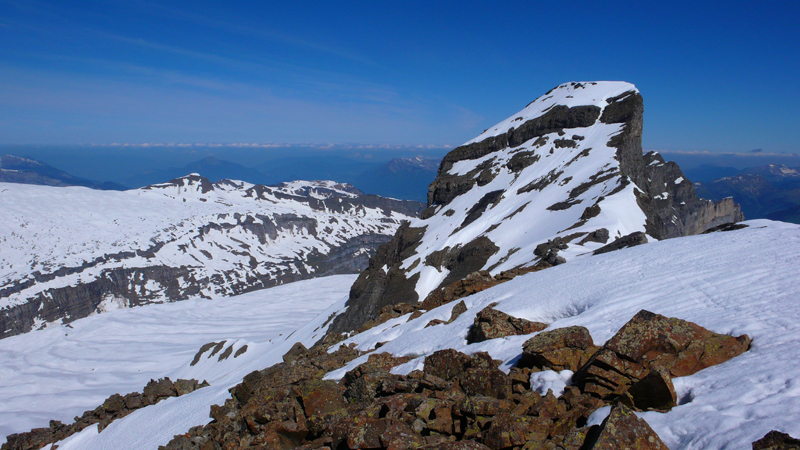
<point>258,33</point>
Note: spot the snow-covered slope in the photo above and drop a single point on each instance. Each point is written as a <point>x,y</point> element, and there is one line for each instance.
<point>62,371</point>
<point>736,282</point>
<point>568,168</point>
<point>69,252</point>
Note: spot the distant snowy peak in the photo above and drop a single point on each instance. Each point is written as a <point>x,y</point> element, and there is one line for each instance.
<point>418,163</point>
<point>195,183</point>
<point>14,169</point>
<point>69,252</point>
<point>556,181</point>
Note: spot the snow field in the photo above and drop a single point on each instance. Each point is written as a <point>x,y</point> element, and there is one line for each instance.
<point>61,372</point>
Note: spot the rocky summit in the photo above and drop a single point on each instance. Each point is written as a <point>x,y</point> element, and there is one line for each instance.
<point>67,253</point>
<point>563,178</point>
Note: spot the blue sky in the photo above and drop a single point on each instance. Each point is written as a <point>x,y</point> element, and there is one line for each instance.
<point>715,76</point>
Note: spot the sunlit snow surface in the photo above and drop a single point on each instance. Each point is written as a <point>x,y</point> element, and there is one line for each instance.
<point>743,281</point>
<point>61,372</point>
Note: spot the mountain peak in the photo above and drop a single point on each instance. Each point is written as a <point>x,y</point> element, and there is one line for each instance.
<point>559,180</point>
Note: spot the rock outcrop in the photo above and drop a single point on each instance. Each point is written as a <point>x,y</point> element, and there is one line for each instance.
<point>457,401</point>
<point>115,407</point>
<point>564,177</point>
<point>639,361</point>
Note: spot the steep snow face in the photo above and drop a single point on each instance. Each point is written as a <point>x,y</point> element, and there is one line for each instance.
<point>546,187</point>
<point>507,193</point>
<point>58,373</point>
<point>63,251</point>
<point>567,94</point>
<point>736,282</point>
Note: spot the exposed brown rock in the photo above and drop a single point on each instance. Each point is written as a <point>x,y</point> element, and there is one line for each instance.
<point>298,350</point>
<point>363,382</point>
<point>511,430</point>
<point>560,349</point>
<point>113,408</point>
<point>491,324</point>
<point>458,402</point>
<point>775,440</point>
<point>389,312</point>
<point>622,429</point>
<point>649,341</point>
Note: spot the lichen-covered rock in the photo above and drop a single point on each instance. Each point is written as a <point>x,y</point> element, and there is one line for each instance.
<point>491,324</point>
<point>775,440</point>
<point>362,383</point>
<point>298,350</point>
<point>162,388</point>
<point>623,430</point>
<point>649,341</point>
<point>560,349</point>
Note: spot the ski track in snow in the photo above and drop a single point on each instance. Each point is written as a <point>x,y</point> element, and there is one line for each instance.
<point>60,372</point>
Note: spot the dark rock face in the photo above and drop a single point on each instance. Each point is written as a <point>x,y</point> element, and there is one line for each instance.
<point>115,407</point>
<point>446,187</point>
<point>673,209</point>
<point>775,440</point>
<point>383,283</point>
<point>631,240</point>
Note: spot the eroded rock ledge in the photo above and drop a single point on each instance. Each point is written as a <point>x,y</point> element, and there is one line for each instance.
<point>115,407</point>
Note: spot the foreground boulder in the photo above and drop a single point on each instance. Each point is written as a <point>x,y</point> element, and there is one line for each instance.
<point>465,402</point>
<point>622,429</point>
<point>775,440</point>
<point>560,349</point>
<point>651,342</point>
<point>491,324</point>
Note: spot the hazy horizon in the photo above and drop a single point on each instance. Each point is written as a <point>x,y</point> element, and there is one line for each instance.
<point>714,77</point>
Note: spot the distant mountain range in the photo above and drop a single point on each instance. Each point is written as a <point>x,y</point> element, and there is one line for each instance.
<point>67,254</point>
<point>14,169</point>
<point>771,191</point>
<point>402,178</point>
